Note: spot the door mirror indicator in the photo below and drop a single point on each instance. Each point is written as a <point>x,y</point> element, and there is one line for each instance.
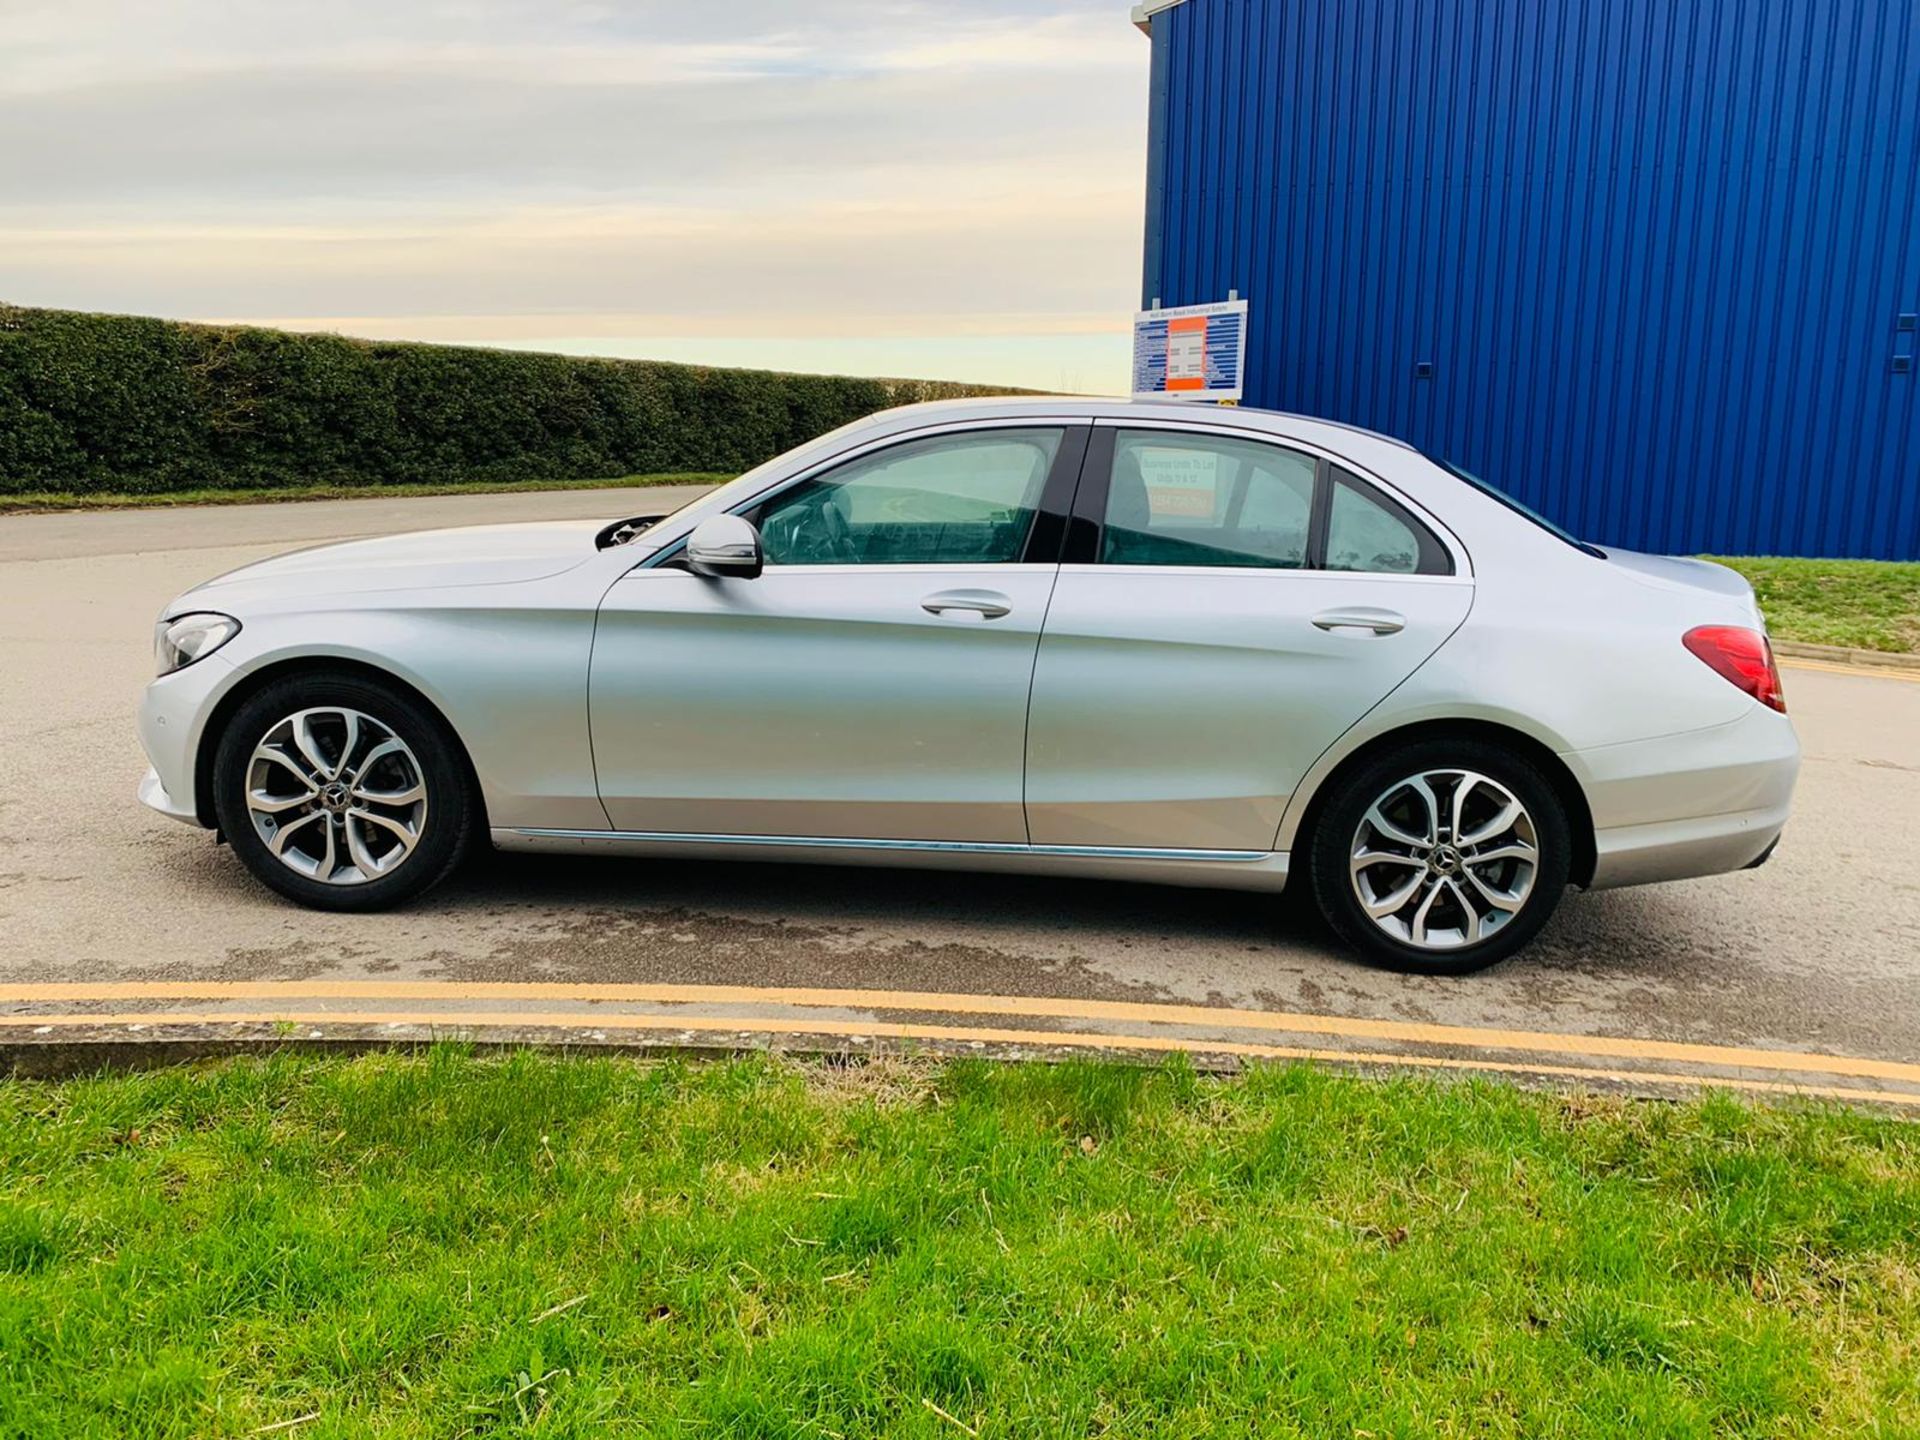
<point>723,546</point>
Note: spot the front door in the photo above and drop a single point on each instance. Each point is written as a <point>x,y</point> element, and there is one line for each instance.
<point>1194,663</point>
<point>872,682</point>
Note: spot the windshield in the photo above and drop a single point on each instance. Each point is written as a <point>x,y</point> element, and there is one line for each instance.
<point>1507,500</point>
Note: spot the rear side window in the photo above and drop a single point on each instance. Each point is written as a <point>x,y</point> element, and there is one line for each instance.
<point>1199,500</point>
<point>1368,531</point>
<point>1179,499</point>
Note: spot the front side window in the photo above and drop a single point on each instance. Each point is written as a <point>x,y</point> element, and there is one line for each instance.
<point>1177,499</point>
<point>951,500</point>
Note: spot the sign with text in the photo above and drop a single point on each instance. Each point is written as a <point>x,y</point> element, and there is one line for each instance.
<point>1180,482</point>
<point>1191,352</point>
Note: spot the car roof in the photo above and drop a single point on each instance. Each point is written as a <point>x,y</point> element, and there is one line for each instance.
<point>1239,417</point>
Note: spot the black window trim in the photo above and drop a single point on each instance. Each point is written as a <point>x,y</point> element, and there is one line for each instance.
<point>1088,521</point>
<point>1087,517</point>
<point>1322,515</point>
<point>1047,536</point>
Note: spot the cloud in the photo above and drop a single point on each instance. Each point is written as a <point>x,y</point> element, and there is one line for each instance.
<point>310,132</point>
<point>740,168</point>
<point>1044,251</point>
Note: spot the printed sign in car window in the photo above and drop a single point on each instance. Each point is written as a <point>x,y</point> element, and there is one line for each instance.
<point>1181,484</point>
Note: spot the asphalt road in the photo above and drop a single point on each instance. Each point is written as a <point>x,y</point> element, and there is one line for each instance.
<point>1817,952</point>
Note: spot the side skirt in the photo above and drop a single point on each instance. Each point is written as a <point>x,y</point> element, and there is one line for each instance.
<point>1209,869</point>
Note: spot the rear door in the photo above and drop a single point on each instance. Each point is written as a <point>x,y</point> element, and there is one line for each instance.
<point>1228,608</point>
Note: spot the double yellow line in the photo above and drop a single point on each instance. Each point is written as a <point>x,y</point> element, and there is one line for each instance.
<point>1133,1026</point>
<point>1870,672</point>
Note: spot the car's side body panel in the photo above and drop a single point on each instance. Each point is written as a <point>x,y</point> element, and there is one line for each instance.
<point>817,700</point>
<point>1183,706</point>
<point>506,665</point>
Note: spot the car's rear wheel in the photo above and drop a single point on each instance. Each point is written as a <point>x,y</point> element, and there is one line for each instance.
<point>1441,858</point>
<point>341,792</point>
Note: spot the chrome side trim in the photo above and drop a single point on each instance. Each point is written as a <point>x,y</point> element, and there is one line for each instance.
<point>1202,869</point>
<point>933,847</point>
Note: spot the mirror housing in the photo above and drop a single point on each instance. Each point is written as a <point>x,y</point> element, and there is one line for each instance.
<point>725,546</point>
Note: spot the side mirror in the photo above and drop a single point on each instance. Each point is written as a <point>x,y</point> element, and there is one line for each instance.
<point>725,545</point>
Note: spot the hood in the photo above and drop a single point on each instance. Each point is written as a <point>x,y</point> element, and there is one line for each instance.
<point>1690,574</point>
<point>468,555</point>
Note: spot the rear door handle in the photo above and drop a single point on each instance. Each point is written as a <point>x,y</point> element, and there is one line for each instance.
<point>987,604</point>
<point>1362,617</point>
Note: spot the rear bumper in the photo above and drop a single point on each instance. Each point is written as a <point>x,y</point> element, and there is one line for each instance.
<point>1702,803</point>
<point>1685,849</point>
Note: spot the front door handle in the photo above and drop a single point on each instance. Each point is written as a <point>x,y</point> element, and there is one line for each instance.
<point>1362,617</point>
<point>987,604</point>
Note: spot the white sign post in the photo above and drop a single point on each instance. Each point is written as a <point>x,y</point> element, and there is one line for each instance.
<point>1191,352</point>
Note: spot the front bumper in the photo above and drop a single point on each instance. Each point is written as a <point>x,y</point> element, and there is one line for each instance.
<point>172,717</point>
<point>1683,806</point>
<point>153,795</point>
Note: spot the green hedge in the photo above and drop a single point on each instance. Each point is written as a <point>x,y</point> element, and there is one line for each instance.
<point>96,403</point>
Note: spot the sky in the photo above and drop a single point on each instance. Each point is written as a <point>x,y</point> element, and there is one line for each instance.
<point>937,188</point>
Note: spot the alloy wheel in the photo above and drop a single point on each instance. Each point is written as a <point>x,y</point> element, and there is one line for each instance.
<point>336,796</point>
<point>1444,859</point>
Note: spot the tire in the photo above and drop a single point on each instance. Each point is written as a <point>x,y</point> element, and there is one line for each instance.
<point>1481,910</point>
<point>366,829</point>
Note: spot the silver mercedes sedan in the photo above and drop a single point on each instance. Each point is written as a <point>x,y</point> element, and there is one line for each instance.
<point>1147,642</point>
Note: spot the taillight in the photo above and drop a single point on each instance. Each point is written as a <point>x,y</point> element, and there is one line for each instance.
<point>1743,656</point>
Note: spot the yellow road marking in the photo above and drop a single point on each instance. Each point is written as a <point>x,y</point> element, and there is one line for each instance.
<point>1126,1011</point>
<point>1872,672</point>
<point>464,1023</point>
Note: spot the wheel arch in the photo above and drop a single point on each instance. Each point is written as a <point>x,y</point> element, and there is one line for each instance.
<point>257,680</point>
<point>1537,753</point>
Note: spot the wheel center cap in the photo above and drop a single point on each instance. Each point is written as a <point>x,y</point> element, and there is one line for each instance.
<point>1445,861</point>
<point>334,797</point>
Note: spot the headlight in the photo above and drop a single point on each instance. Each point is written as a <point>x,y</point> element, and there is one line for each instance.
<point>187,638</point>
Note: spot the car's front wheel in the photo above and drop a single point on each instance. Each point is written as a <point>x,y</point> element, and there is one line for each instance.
<point>341,792</point>
<point>1442,857</point>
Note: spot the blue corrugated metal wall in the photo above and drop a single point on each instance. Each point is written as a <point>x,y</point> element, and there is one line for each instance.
<point>1656,252</point>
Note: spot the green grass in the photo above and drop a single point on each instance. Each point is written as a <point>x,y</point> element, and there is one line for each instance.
<point>45,500</point>
<point>442,1245</point>
<point>1862,604</point>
